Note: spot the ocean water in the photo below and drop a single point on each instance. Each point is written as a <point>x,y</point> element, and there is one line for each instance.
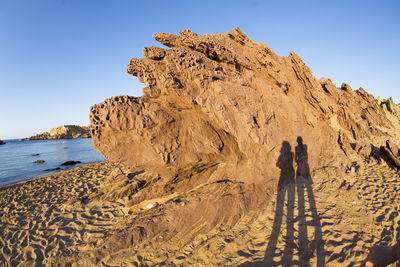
<point>16,157</point>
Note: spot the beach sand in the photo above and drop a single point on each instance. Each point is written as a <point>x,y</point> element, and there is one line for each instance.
<point>323,220</point>
<point>46,218</point>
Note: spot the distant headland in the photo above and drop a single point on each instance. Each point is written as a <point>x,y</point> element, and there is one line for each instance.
<point>63,132</point>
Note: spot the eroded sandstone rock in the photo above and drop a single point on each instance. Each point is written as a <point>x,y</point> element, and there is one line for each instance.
<point>225,98</point>
<point>389,105</point>
<point>219,108</point>
<point>119,186</point>
<point>346,87</point>
<point>391,152</point>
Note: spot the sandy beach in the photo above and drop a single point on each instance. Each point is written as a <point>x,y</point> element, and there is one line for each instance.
<point>62,219</point>
<point>307,177</point>
<point>212,133</point>
<point>45,218</point>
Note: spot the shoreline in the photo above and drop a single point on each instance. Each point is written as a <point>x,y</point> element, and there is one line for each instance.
<point>25,180</point>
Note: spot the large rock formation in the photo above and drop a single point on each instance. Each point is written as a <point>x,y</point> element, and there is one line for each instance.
<point>2,143</point>
<point>63,132</point>
<point>226,99</point>
<point>220,108</point>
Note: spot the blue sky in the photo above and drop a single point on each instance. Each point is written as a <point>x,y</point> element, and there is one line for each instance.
<point>58,58</point>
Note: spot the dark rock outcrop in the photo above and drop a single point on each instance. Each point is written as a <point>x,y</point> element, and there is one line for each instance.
<point>39,161</point>
<point>70,162</point>
<point>2,143</point>
<point>63,132</point>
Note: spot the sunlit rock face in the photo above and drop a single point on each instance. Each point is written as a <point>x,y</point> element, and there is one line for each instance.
<point>223,121</point>
<point>226,99</point>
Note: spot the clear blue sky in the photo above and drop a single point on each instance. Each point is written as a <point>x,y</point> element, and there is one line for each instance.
<point>58,58</point>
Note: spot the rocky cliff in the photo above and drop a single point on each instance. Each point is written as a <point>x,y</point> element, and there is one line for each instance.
<point>219,117</point>
<point>63,132</point>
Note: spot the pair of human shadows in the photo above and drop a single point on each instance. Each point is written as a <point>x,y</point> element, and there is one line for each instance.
<point>289,181</point>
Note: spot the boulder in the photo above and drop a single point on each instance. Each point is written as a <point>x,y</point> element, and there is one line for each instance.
<point>2,143</point>
<point>39,161</point>
<point>390,152</point>
<point>393,148</point>
<point>392,107</point>
<point>70,162</point>
<point>346,87</point>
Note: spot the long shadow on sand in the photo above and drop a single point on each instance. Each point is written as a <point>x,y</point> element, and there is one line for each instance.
<point>300,248</point>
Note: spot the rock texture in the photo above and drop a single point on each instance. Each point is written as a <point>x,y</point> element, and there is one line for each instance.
<point>63,132</point>
<point>226,99</point>
<point>391,153</point>
<point>389,105</point>
<point>216,111</point>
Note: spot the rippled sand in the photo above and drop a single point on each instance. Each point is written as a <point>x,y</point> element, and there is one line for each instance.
<point>324,220</point>
<point>47,217</point>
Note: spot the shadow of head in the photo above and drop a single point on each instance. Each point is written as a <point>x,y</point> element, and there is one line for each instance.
<point>285,163</point>
<point>286,148</point>
<point>299,140</point>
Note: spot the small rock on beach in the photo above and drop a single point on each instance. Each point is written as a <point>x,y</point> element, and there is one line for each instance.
<point>70,162</point>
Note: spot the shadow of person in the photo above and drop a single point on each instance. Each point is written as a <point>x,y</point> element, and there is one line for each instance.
<point>304,184</point>
<point>289,182</point>
<point>286,193</point>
